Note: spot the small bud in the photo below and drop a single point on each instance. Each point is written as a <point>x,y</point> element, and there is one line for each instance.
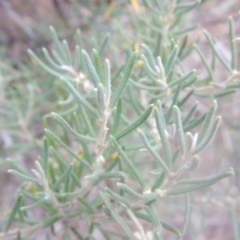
<point>160,192</point>
<point>147,191</point>
<point>101,159</point>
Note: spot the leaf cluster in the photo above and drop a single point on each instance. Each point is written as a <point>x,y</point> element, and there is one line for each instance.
<point>127,139</point>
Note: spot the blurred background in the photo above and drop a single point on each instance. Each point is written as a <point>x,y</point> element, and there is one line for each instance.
<point>27,92</point>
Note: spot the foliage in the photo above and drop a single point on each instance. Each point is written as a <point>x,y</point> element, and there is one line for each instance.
<point>129,137</point>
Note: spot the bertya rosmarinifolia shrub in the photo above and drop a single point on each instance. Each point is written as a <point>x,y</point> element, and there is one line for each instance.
<point>129,137</point>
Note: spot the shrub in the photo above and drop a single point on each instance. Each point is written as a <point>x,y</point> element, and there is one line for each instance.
<point>124,149</point>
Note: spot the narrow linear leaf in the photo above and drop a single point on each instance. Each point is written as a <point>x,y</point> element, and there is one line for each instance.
<point>190,82</point>
<point>67,127</point>
<point>67,52</point>
<point>186,215</point>
<point>63,177</point>
<point>158,182</point>
<point>127,72</point>
<point>80,99</point>
<point>171,61</point>
<point>186,189</point>
<point>180,131</point>
<point>66,101</point>
<point>151,72</point>
<point>92,73</point>
<point>222,94</point>
<point>51,220</point>
<point>14,211</point>
<point>52,173</point>
<point>161,67</point>
<point>101,98</point>
<point>194,187</point>
<point>143,86</point>
<point>87,204</point>
<point>233,86</point>
<point>161,115</point>
<point>116,197</point>
<point>76,62</point>
<point>155,221</point>
<point>63,164</point>
<point>116,216</point>
<point>190,114</point>
<point>135,221</point>
<point>164,224</point>
<point>135,124</point>
<point>185,99</point>
<point>38,172</point>
<point>24,176</point>
<point>217,52</point>
<point>183,46</point>
<point>56,41</point>
<point>36,204</point>
<point>68,111</point>
<point>77,234</point>
<point>233,44</point>
<point>195,122</point>
<point>52,135</point>
<point>133,100</point>
<point>235,224</point>
<point>162,134</point>
<point>206,64</point>
<point>207,121</point>
<point>187,5</point>
<point>128,162</point>
<point>186,9</point>
<point>175,155</point>
<point>117,118</point>
<point>43,65</point>
<point>86,151</point>
<point>59,159</point>
<point>98,66</point>
<point>108,81</point>
<point>71,194</point>
<point>106,233</point>
<point>18,168</point>
<point>153,8</point>
<point>211,179</point>
<point>50,60</point>
<point>146,197</point>
<point>58,58</point>
<point>149,54</point>
<point>114,174</point>
<point>209,135</point>
<point>175,100</point>
<point>29,196</point>
<point>103,44</point>
<point>183,78</point>
<point>78,40</point>
<point>45,156</point>
<point>86,119</point>
<point>153,152</point>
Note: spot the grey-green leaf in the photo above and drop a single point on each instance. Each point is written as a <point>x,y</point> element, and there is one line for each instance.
<point>67,127</point>
<point>126,75</point>
<point>14,211</point>
<point>80,99</point>
<point>135,124</point>
<point>63,177</point>
<point>129,163</point>
<point>92,73</point>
